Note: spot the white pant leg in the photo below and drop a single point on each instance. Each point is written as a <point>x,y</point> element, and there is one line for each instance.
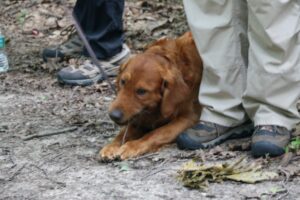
<point>273,79</point>
<point>219,28</point>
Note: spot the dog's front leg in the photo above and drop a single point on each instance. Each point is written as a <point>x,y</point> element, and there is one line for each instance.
<point>155,139</point>
<point>110,151</point>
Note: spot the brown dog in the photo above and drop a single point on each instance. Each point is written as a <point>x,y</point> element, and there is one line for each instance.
<point>157,97</point>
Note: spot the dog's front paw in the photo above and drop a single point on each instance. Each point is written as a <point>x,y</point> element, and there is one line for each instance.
<point>131,149</point>
<point>109,152</point>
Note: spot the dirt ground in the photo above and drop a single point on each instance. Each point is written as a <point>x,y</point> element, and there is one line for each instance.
<point>62,165</point>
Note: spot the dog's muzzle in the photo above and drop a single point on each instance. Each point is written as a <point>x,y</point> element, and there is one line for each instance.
<point>116,116</point>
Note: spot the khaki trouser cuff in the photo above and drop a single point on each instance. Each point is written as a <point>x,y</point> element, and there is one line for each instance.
<point>210,116</point>
<point>287,123</point>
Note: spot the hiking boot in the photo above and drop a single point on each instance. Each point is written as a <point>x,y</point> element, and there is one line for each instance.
<point>207,134</point>
<point>270,140</point>
<point>71,48</point>
<point>88,73</point>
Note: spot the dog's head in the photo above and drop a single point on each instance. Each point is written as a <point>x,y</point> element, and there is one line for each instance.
<point>147,83</point>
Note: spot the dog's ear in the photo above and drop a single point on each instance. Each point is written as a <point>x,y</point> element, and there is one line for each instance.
<point>125,63</point>
<point>174,91</point>
<point>160,42</point>
<point>121,70</point>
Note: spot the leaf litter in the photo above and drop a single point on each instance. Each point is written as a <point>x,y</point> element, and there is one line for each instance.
<point>199,176</point>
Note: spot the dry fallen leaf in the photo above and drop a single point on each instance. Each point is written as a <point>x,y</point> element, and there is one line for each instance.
<point>198,176</point>
<point>253,177</point>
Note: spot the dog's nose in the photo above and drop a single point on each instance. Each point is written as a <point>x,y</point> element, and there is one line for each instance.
<point>116,115</point>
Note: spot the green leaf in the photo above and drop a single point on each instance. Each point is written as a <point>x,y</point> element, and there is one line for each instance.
<point>22,16</point>
<point>124,166</point>
<point>293,146</point>
<point>276,190</point>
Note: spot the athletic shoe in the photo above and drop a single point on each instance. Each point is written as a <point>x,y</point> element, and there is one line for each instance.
<point>207,135</point>
<point>71,48</point>
<point>270,140</point>
<point>88,73</point>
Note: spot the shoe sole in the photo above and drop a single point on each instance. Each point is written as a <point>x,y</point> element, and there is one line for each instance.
<point>242,131</point>
<point>60,57</point>
<point>84,82</point>
<point>123,55</point>
<point>235,133</point>
<point>264,148</point>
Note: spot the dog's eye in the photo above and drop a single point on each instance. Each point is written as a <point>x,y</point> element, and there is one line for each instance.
<point>141,91</point>
<point>122,82</point>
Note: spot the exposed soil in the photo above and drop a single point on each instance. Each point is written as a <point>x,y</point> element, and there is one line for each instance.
<point>63,165</point>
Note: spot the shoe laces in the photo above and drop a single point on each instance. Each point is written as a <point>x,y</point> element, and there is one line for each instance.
<point>280,130</point>
<point>219,128</point>
<point>209,124</point>
<point>69,31</point>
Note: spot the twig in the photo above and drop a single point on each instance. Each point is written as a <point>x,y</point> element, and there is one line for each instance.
<point>295,158</point>
<point>63,169</point>
<point>159,168</point>
<point>73,92</point>
<point>156,172</point>
<point>49,14</point>
<point>286,159</point>
<point>144,156</point>
<point>50,133</point>
<point>51,159</point>
<point>31,4</point>
<point>285,173</point>
<point>286,192</point>
<point>47,177</point>
<point>14,174</point>
<point>100,121</point>
<point>11,159</point>
<point>125,134</point>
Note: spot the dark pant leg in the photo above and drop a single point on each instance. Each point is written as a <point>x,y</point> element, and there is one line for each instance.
<point>101,21</point>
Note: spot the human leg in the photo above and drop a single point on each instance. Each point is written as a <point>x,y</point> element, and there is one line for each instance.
<point>219,28</point>
<point>273,79</point>
<point>101,22</point>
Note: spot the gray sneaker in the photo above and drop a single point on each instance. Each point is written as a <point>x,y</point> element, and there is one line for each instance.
<point>71,48</point>
<point>207,134</point>
<point>270,140</point>
<point>88,73</point>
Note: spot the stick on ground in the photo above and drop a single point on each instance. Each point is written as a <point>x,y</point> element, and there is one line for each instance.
<point>56,132</point>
